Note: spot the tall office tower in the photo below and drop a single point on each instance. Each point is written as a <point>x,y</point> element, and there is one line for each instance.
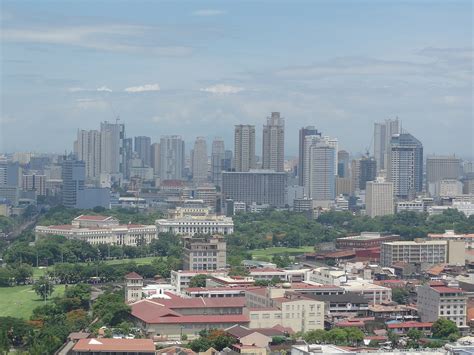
<point>355,174</point>
<point>200,161</point>
<point>217,160</point>
<point>88,150</point>
<point>155,158</point>
<point>10,173</point>
<point>367,171</point>
<point>143,149</point>
<point>172,157</point>
<point>34,182</point>
<point>442,167</point>
<point>332,142</point>
<point>322,179</point>
<point>244,148</point>
<point>228,160</point>
<point>379,198</point>
<point>112,158</point>
<point>74,176</point>
<point>304,132</point>
<point>405,165</point>
<point>127,156</point>
<point>383,132</point>
<point>309,141</point>
<point>343,164</point>
<point>273,148</point>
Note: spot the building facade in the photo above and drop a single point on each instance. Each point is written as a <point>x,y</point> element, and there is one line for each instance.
<point>200,164</point>
<point>143,149</point>
<point>383,132</point>
<point>244,148</point>
<point>273,149</point>
<point>304,131</point>
<point>172,158</point>
<point>379,198</point>
<point>204,253</point>
<point>217,161</point>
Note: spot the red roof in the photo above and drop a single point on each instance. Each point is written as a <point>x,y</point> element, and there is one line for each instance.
<point>133,276</point>
<point>110,345</point>
<point>445,289</point>
<point>91,218</point>
<point>201,302</point>
<point>410,325</point>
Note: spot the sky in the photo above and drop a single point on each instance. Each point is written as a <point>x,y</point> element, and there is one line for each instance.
<point>197,68</point>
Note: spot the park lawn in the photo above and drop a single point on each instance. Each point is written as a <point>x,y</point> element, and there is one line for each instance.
<point>19,301</point>
<point>269,252</point>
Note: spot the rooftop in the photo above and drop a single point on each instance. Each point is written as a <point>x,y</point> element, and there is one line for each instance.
<point>93,218</point>
<point>410,325</point>
<point>110,345</point>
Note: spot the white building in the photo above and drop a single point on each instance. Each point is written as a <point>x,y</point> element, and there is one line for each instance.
<point>374,294</point>
<point>101,230</point>
<point>328,276</point>
<point>190,225</point>
<point>440,301</point>
<point>414,206</point>
<point>379,198</point>
<point>199,160</point>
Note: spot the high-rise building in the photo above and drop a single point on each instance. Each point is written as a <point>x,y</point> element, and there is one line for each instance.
<point>217,160</point>
<point>263,187</point>
<point>379,198</point>
<point>383,132</point>
<point>143,149</point>
<point>273,148</point>
<point>343,164</point>
<point>332,142</point>
<point>405,165</point>
<point>34,182</point>
<point>112,157</point>
<point>304,131</point>
<point>244,148</point>
<point>200,161</point>
<point>155,158</point>
<point>442,167</point>
<point>127,157</point>
<point>73,176</point>
<point>172,157</point>
<point>309,141</point>
<point>88,150</point>
<point>321,177</point>
<point>367,171</point>
<point>228,160</point>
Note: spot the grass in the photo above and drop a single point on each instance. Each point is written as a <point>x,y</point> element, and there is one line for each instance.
<point>41,271</point>
<point>269,252</point>
<point>19,301</point>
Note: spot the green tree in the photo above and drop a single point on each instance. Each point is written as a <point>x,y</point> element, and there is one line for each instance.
<point>316,336</point>
<point>393,338</point>
<point>443,328</point>
<point>354,335</point>
<point>4,342</point>
<point>111,309</point>
<point>43,287</point>
<point>198,281</point>
<point>336,336</point>
<point>400,295</point>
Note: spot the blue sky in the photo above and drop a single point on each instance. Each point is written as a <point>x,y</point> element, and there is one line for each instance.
<point>197,68</point>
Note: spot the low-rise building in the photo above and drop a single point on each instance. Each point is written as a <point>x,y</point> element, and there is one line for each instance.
<point>204,253</point>
<point>365,240</point>
<point>437,300</point>
<point>403,327</point>
<point>328,276</point>
<point>191,225</point>
<point>106,346</point>
<point>101,230</point>
<point>180,278</point>
<point>467,238</point>
<point>373,293</point>
<point>423,251</point>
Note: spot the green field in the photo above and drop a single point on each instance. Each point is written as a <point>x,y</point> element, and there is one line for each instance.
<point>40,271</point>
<point>269,252</point>
<point>19,301</point>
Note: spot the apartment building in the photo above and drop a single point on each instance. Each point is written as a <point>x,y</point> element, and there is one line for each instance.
<point>436,300</point>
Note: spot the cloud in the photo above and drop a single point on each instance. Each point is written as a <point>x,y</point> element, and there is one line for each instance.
<point>222,89</point>
<point>99,89</point>
<point>104,88</point>
<point>143,88</point>
<point>209,12</point>
<point>111,37</point>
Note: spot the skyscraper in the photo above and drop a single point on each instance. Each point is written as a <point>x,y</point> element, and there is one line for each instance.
<point>379,198</point>
<point>332,142</point>
<point>155,158</point>
<point>322,179</point>
<point>112,158</point>
<point>343,164</point>
<point>309,141</point>
<point>244,147</point>
<point>73,176</point>
<point>88,150</point>
<point>172,157</point>
<point>228,160</point>
<point>200,163</point>
<point>217,160</point>
<point>383,132</point>
<point>127,156</point>
<point>273,149</point>
<point>367,171</point>
<point>405,165</point>
<point>143,149</point>
<point>304,131</point>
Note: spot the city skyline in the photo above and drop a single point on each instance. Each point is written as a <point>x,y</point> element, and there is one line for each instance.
<point>211,72</point>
